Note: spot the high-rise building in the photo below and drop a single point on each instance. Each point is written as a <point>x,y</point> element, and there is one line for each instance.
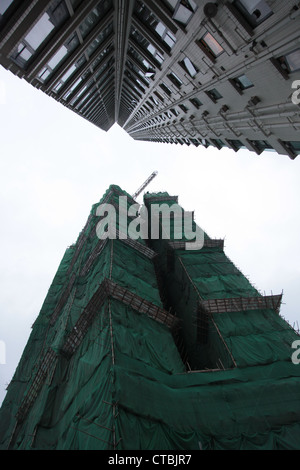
<point>193,72</point>
<point>143,344</point>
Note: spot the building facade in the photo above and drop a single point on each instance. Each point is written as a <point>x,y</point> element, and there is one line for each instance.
<point>220,74</point>
<point>144,345</point>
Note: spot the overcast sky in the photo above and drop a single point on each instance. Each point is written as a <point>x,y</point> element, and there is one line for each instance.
<point>54,166</point>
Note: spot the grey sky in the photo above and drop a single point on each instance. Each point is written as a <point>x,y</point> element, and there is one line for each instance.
<point>54,165</point>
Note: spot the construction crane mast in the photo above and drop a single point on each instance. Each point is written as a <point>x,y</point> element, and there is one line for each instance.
<point>145,184</point>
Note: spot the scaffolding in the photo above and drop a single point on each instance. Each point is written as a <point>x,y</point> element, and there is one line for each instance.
<point>37,383</point>
<point>242,304</point>
<point>109,288</point>
<point>177,345</point>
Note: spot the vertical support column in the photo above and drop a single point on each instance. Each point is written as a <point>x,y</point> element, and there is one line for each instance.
<point>123,14</point>
<point>111,333</point>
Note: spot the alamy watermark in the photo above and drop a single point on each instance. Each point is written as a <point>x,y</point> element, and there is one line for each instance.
<point>2,353</point>
<point>296,94</point>
<point>160,217</point>
<point>296,354</point>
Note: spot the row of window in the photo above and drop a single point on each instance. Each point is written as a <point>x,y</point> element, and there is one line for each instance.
<point>50,21</point>
<point>158,29</point>
<point>213,49</point>
<point>241,83</point>
<point>253,12</point>
<point>147,17</point>
<point>57,13</point>
<point>207,43</point>
<point>289,62</point>
<point>258,145</point>
<point>182,12</point>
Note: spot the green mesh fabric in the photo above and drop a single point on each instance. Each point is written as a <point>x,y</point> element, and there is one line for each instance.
<point>130,380</point>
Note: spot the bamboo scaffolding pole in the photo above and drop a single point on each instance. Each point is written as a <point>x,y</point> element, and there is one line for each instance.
<point>91,435</point>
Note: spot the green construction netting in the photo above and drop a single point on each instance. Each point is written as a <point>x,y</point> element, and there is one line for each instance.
<point>128,384</point>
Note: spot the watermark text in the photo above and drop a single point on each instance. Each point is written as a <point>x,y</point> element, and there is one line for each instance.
<point>166,222</point>
<point>296,354</point>
<point>296,94</point>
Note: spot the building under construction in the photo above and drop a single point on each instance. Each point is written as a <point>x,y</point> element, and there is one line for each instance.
<point>142,344</point>
<point>221,74</point>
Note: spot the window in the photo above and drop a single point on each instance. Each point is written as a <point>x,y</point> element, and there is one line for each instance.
<point>94,17</point>
<point>22,53</point>
<point>174,79</point>
<point>195,142</point>
<point>65,77</point>
<point>159,96</point>
<point>69,73</point>
<point>184,11</point>
<point>57,58</point>
<point>241,83</point>
<point>171,4</point>
<point>236,144</point>
<point>214,95</point>
<point>175,112</point>
<point>33,39</point>
<point>130,65</point>
<point>147,46</point>
<point>260,145</point>
<point>147,17</point>
<point>165,35</point>
<point>150,73</point>
<point>183,107</point>
<point>145,69</point>
<point>212,45</point>
<point>81,92</point>
<point>189,67</point>
<point>63,52</point>
<point>99,39</point>
<point>293,60</point>
<point>154,100</point>
<point>196,102</point>
<point>292,148</point>
<point>290,62</point>
<point>155,54</point>
<point>65,97</point>
<point>218,143</point>
<point>204,142</point>
<point>39,32</point>
<point>295,147</point>
<point>254,11</point>
<point>56,14</point>
<point>149,105</point>
<point>4,4</point>
<point>166,89</point>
